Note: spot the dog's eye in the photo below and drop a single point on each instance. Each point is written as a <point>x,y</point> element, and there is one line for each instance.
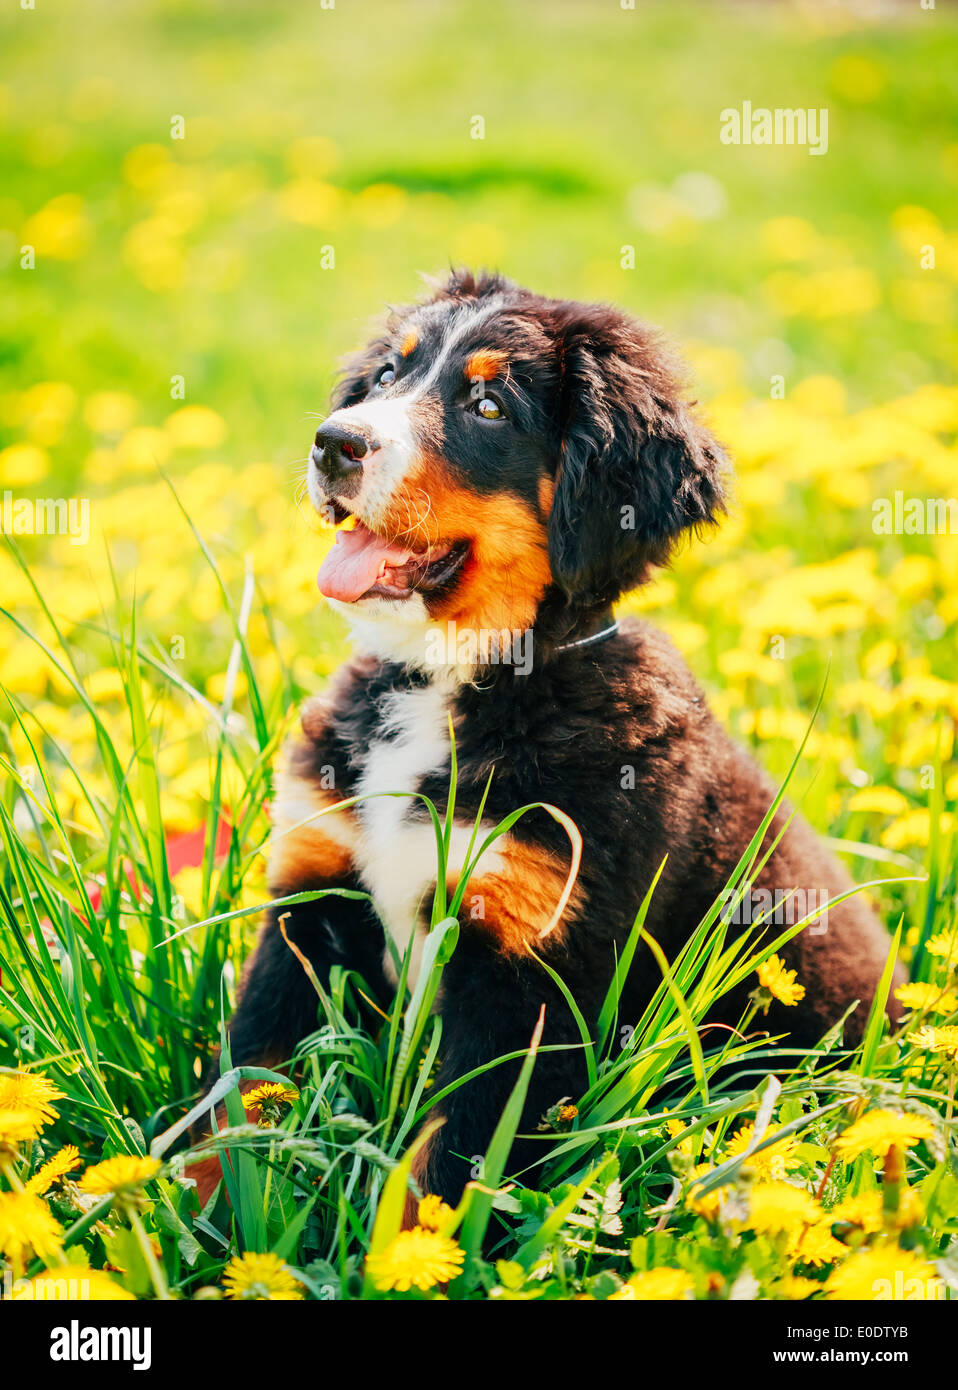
<point>489,408</point>
<point>386,376</point>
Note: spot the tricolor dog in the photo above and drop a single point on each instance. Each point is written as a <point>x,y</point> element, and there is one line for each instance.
<point>510,464</point>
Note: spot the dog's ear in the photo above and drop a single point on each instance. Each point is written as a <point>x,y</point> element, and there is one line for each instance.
<point>635,468</point>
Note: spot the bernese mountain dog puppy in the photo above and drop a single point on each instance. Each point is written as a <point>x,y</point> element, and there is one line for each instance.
<point>512,464</point>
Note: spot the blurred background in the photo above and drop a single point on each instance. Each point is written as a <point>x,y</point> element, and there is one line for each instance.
<point>222,197</point>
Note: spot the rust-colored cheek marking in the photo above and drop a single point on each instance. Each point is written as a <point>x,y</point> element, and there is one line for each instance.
<point>507,571</point>
<point>487,363</point>
<point>409,343</point>
<point>547,489</point>
<point>517,900</point>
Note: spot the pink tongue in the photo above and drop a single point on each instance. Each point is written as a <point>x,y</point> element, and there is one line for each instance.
<point>354,563</point>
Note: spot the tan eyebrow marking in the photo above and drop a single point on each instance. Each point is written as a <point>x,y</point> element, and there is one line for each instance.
<point>486,363</point>
<point>409,343</point>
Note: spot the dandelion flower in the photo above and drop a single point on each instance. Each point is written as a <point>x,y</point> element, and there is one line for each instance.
<point>867,1211</point>
<point>23,1091</point>
<point>944,945</point>
<point>26,1223</point>
<point>877,1131</point>
<point>941,1040</point>
<point>778,1206</point>
<point>54,1169</point>
<point>678,1127</point>
<point>70,1282</point>
<point>885,1271</point>
<point>780,983</point>
<point>415,1259</point>
<point>261,1277</point>
<point>796,1288</point>
<point>661,1285</point>
<point>816,1245</point>
<point>433,1212</point>
<point>922,997</point>
<point>271,1100</point>
<point>121,1175</point>
<point>771,1162</point>
<point>18,1127</point>
<point>707,1204</point>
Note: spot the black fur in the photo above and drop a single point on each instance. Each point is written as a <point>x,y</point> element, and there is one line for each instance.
<point>617,735</point>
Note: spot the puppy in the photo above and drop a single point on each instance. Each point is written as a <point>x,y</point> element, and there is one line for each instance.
<point>511,465</point>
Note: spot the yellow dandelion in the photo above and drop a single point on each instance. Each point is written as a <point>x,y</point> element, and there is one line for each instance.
<point>779,982</point>
<point>883,1272</point>
<point>121,1175</point>
<point>944,945</point>
<point>662,1284</point>
<point>415,1259</point>
<point>18,1127</point>
<point>877,1131</point>
<point>941,1040</point>
<point>707,1204</point>
<point>26,1223</point>
<point>196,427</point>
<point>21,1090</point>
<point>795,1288</point>
<point>433,1212</point>
<point>816,1245</point>
<point>778,1206</point>
<point>677,1127</point>
<point>69,1283</point>
<point>55,1168</point>
<point>867,1211</point>
<point>772,1162</point>
<point>263,1277</point>
<point>922,997</point>
<point>271,1100</point>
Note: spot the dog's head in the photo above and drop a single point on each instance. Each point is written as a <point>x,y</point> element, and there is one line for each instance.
<point>496,447</point>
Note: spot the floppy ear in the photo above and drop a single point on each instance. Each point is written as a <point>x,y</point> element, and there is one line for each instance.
<point>635,468</point>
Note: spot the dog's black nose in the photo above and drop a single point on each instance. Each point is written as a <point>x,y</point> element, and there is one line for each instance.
<point>339,452</point>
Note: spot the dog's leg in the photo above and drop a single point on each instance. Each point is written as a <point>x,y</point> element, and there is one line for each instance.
<point>490,1004</point>
<point>278,1000</point>
<point>310,850</point>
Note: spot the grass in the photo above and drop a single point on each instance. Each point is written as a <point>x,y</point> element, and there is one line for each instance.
<point>149,677</point>
<point>114,998</point>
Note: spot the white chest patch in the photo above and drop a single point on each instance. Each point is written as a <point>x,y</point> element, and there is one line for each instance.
<point>397,856</point>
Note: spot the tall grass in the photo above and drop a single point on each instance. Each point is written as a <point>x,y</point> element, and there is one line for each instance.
<point>115,991</point>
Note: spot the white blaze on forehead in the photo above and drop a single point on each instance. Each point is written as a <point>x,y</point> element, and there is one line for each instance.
<point>457,328</point>
<point>391,421</point>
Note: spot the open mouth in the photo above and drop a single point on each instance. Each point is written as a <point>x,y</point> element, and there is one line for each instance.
<point>363,564</point>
